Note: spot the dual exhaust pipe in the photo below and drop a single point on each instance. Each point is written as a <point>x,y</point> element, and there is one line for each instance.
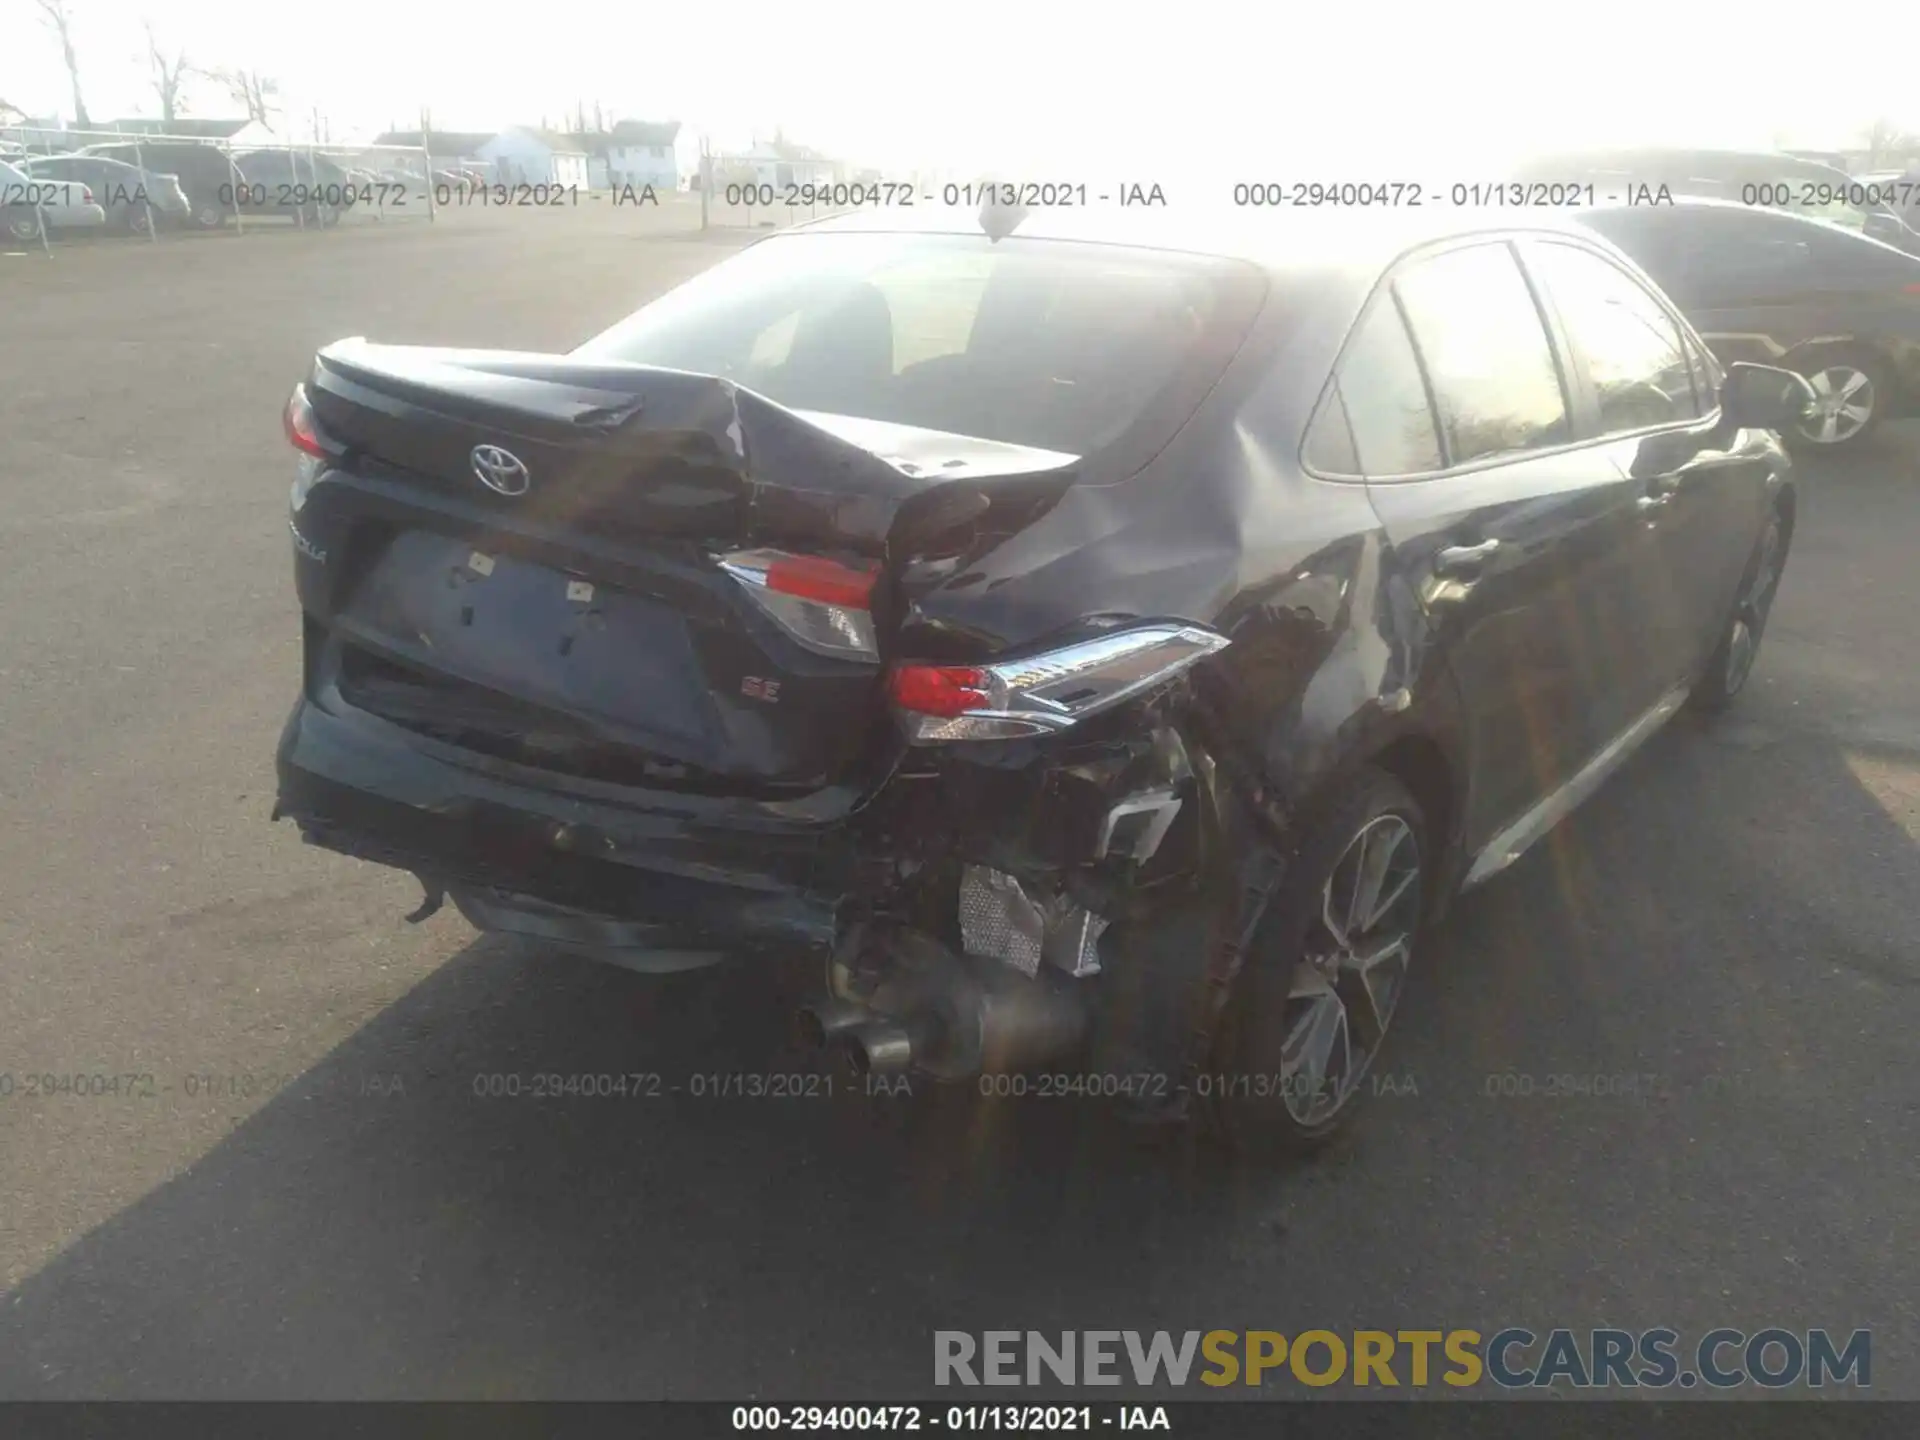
<point>870,1044</point>
<point>920,1006</point>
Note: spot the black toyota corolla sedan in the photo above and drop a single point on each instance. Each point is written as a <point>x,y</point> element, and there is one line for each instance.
<point>1104,646</point>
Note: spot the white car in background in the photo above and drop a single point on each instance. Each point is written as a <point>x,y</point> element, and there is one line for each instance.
<point>26,202</point>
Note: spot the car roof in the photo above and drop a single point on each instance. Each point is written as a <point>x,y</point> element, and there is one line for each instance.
<point>78,155</point>
<point>1362,240</point>
<point>1759,214</point>
<point>136,143</point>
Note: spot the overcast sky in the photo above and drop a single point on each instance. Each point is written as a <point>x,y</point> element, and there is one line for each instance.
<point>1222,86</point>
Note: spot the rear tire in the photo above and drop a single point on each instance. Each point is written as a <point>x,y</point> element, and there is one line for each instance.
<point>24,228</point>
<point>1325,973</point>
<point>1852,390</point>
<point>1727,669</point>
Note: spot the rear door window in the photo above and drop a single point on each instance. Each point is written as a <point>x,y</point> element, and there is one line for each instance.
<point>1757,251</point>
<point>1495,382</point>
<point>1850,264</point>
<point>1702,254</point>
<point>1386,398</point>
<point>1329,449</point>
<point>1816,194</point>
<point>1624,337</point>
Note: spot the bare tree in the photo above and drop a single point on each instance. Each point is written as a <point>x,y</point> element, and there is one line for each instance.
<point>1886,143</point>
<point>169,76</point>
<point>60,20</point>
<point>248,88</point>
<point>10,111</point>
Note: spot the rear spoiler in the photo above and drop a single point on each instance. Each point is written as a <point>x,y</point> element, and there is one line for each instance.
<point>678,452</point>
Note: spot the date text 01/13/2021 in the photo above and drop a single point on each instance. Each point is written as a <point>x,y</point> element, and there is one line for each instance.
<point>1032,195</point>
<point>1460,194</point>
<point>1014,1418</point>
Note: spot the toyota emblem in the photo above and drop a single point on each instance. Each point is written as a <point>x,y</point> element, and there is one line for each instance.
<point>500,470</point>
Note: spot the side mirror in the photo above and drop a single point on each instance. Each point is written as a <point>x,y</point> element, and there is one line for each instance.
<point>1764,397</point>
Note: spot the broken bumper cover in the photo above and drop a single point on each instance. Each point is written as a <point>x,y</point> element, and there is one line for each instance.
<point>693,876</point>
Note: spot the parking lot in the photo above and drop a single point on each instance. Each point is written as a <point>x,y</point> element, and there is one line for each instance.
<point>308,1198</point>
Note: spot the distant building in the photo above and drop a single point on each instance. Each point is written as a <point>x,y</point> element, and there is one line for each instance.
<point>780,163</point>
<point>634,153</point>
<point>643,152</point>
<point>443,146</point>
<point>240,132</point>
<point>520,155</point>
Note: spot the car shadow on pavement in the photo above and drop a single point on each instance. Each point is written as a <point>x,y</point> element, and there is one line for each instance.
<point>385,1225</point>
<point>381,1228</point>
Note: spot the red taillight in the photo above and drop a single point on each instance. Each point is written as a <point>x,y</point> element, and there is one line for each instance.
<point>822,603</point>
<point>808,577</point>
<point>86,195</point>
<point>943,690</point>
<point>298,419</point>
<point>1913,289</point>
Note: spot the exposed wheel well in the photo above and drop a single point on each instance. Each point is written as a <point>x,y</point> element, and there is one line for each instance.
<point>1421,765</point>
<point>1802,357</point>
<point>1801,354</point>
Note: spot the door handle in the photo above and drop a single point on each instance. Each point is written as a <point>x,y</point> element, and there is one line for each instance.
<point>1660,489</point>
<point>1464,559</point>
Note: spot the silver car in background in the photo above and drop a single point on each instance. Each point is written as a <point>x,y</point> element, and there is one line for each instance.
<point>134,199</point>
<point>27,204</point>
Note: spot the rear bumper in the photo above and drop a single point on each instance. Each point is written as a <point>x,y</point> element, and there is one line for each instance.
<point>675,874</point>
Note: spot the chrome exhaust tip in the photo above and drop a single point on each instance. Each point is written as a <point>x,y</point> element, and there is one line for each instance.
<point>827,1021</point>
<point>878,1047</point>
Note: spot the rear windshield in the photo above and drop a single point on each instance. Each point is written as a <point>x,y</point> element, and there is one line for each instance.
<point>1062,345</point>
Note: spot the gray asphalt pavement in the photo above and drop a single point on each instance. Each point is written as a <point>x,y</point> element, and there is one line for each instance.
<point>313,1201</point>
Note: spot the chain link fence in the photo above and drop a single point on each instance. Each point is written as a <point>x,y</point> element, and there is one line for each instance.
<point>738,192</point>
<point>157,182</point>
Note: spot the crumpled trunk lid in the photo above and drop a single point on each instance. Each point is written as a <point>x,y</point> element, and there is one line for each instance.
<point>655,454</point>
<point>582,623</point>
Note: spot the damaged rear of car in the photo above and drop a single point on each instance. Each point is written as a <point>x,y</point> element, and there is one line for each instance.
<point>707,638</point>
<point>968,610</point>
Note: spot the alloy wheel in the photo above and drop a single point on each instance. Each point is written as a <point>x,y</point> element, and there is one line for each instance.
<point>1756,603</point>
<point>1351,970</point>
<point>23,228</point>
<point>1843,401</point>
